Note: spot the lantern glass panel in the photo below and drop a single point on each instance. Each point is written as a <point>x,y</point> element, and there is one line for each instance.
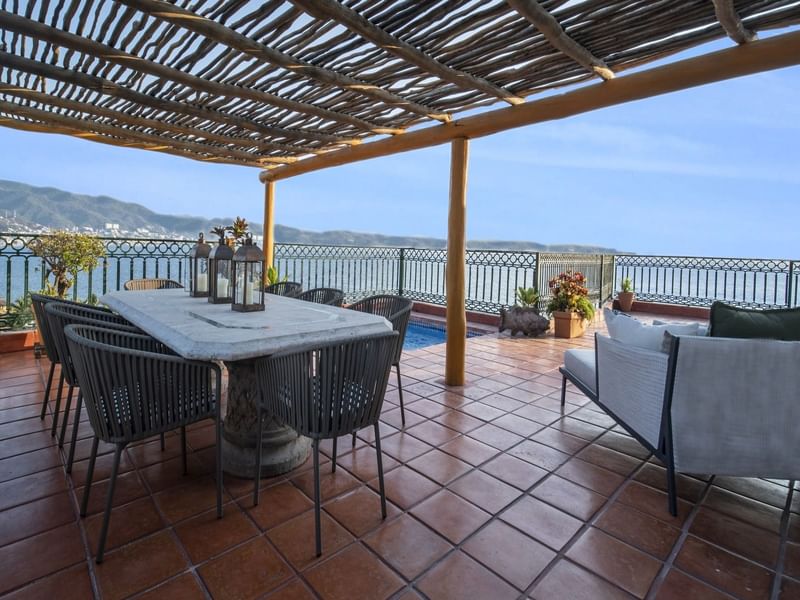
<point>198,268</point>
<point>220,282</point>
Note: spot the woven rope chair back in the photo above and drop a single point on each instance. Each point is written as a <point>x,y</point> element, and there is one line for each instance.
<point>330,390</point>
<point>38,301</point>
<point>329,296</point>
<point>133,389</point>
<point>290,289</point>
<point>395,309</point>
<point>59,315</point>
<point>152,284</point>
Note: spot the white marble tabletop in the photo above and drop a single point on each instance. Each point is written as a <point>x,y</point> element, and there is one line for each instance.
<point>197,329</point>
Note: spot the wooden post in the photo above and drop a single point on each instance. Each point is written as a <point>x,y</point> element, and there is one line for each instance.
<point>269,223</point>
<point>456,263</point>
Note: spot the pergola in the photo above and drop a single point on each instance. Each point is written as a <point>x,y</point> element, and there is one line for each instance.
<point>294,87</point>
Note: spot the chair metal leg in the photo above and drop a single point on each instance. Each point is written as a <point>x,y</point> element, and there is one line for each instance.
<point>333,455</point>
<point>380,469</point>
<point>58,404</point>
<point>47,389</point>
<point>75,425</point>
<point>563,391</point>
<point>89,476</point>
<point>65,420</point>
<point>259,446</point>
<point>163,443</point>
<point>672,489</point>
<point>183,451</point>
<point>316,498</point>
<point>400,393</point>
<point>109,501</point>
<point>218,424</point>
<point>354,439</point>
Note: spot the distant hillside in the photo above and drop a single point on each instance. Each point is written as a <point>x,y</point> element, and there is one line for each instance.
<point>57,209</point>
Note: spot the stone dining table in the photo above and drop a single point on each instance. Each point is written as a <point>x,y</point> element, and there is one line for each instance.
<point>196,329</point>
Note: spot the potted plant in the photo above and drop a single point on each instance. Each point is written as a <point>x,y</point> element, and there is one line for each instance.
<point>63,254</point>
<point>569,304</point>
<point>524,316</point>
<point>626,295</point>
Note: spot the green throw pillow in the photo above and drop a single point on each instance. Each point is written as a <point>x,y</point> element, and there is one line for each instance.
<point>734,322</point>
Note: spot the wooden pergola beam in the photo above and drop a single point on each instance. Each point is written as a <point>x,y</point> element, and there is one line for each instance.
<point>269,225</point>
<point>87,46</point>
<point>220,33</point>
<point>333,10</point>
<point>551,29</point>
<point>731,23</point>
<point>762,55</point>
<point>110,88</point>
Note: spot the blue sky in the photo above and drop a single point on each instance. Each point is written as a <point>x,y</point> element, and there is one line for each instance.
<point>710,171</point>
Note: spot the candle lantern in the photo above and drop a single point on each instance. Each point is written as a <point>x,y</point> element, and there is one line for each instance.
<point>248,274</point>
<point>219,273</point>
<point>198,269</point>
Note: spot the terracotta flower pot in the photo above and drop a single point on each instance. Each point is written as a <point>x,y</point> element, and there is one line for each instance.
<point>625,300</point>
<point>569,324</point>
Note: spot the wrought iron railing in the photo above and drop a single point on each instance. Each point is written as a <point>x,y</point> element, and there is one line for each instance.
<point>697,281</point>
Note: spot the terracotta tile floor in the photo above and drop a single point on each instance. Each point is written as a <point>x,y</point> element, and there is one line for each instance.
<point>493,493</point>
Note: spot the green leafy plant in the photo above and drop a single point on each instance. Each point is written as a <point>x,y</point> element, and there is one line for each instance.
<point>221,231</point>
<point>627,286</point>
<point>527,297</point>
<point>239,228</point>
<point>63,255</point>
<point>21,313</point>
<point>569,294</point>
<point>274,277</point>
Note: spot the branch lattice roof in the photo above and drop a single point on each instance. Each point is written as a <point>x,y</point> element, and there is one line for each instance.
<point>264,83</point>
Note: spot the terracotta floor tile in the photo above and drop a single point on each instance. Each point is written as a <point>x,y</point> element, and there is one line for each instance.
<point>481,411</point>
<point>519,473</point>
<point>504,403</point>
<point>495,436</point>
<point>353,573</point>
<point>458,577</point>
<point>407,545</point>
<point>294,590</point>
<point>360,510</point>
<point>450,515</point>
<point>248,571</point>
<point>127,489</point>
<point>542,522</point>
<point>139,566</point>
<point>404,447</point>
<point>591,476</point>
<point>724,570</point>
<point>623,565</point>
<point>295,539</point>
<point>578,428</point>
<point>185,587</point>
<point>469,450</point>
<point>653,502</point>
<point>34,517</point>
<point>509,553</point>
<point>743,508</point>
<point>330,484</point>
<point>277,504</point>
<point>567,581</point>
<point>432,432</point>
<point>594,417</point>
<point>540,455</point>
<point>405,487</point>
<point>623,443</point>
<point>655,476</point>
<point>559,440</point>
<point>426,408</point>
<point>205,535</point>
<point>639,530</point>
<point>756,489</point>
<point>150,453</point>
<point>791,560</point>
<point>744,539</point>
<point>197,495</point>
<point>439,466</point>
<point>485,491</point>
<point>679,586</point>
<point>363,463</point>
<point>450,399</point>
<point>569,497</point>
<point>394,418</point>
<point>169,473</point>
<point>538,414</point>
<point>459,421</point>
<point>609,459</point>
<point>790,589</point>
<point>69,584</point>
<point>128,522</point>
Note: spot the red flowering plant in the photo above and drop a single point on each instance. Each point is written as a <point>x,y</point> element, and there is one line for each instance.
<point>569,294</point>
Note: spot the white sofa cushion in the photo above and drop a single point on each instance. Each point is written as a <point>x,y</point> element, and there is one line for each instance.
<point>581,364</point>
<point>627,330</point>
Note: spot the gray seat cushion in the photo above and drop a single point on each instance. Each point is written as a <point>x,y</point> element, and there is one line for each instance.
<point>581,365</point>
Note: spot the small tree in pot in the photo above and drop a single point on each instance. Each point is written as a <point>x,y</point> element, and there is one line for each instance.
<point>569,304</point>
<point>525,315</point>
<point>63,254</point>
<point>626,295</point>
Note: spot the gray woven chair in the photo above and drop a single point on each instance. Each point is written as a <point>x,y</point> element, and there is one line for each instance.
<point>39,301</point>
<point>290,289</point>
<point>329,296</point>
<point>396,310</point>
<point>152,284</point>
<point>58,316</point>
<point>326,392</point>
<point>133,391</point>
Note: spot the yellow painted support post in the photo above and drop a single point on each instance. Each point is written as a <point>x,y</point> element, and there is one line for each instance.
<point>456,263</point>
<point>269,223</point>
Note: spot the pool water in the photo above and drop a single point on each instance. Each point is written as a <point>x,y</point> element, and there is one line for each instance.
<point>420,335</point>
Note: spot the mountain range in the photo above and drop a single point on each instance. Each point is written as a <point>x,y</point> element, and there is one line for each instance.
<point>23,205</point>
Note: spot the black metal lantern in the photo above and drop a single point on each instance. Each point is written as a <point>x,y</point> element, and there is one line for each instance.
<point>248,277</point>
<point>220,273</point>
<point>198,269</point>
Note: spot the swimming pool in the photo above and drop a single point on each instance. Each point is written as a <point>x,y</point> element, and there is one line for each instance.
<point>421,334</point>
